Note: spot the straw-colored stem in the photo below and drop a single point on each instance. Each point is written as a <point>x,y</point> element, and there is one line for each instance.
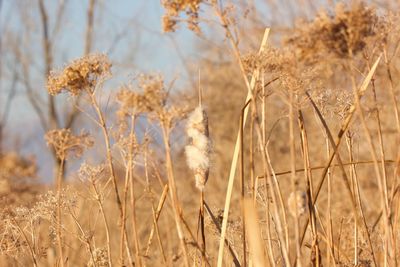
<point>106,225</point>
<point>202,230</point>
<point>173,193</point>
<point>59,213</point>
<point>156,216</point>
<point>106,137</point>
<point>335,146</point>
<point>242,189</point>
<point>315,251</point>
<point>382,183</point>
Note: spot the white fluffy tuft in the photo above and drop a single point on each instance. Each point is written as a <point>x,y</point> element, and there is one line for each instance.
<point>198,152</point>
<point>196,159</point>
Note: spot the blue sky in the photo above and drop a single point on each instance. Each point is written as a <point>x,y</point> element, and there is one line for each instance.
<point>132,28</point>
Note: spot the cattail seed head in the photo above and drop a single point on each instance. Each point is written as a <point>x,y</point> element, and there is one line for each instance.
<point>198,152</point>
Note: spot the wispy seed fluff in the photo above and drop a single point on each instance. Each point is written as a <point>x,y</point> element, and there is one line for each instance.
<point>198,152</point>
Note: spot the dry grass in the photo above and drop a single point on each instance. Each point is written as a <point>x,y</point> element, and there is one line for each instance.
<point>301,172</point>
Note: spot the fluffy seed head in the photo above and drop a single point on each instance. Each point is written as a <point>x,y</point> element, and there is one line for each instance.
<point>198,152</point>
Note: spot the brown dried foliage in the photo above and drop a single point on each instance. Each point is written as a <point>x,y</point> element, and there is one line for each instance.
<point>343,34</point>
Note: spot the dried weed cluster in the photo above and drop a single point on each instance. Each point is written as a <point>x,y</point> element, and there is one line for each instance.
<point>151,97</point>
<point>82,74</point>
<point>67,144</point>
<point>343,34</point>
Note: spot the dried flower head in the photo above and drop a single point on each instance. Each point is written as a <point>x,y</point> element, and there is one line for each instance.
<point>65,143</point>
<point>343,34</point>
<point>82,74</point>
<point>100,258</point>
<point>130,102</point>
<point>173,9</point>
<point>297,203</point>
<point>198,152</point>
<point>46,207</point>
<point>149,97</point>
<point>92,173</point>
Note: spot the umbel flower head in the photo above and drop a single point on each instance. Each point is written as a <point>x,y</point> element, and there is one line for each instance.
<point>81,74</point>
<point>198,152</point>
<point>66,143</point>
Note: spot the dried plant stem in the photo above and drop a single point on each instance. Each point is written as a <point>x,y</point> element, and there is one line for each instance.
<point>194,241</point>
<point>293,179</point>
<point>270,181</point>
<point>242,187</point>
<point>254,181</point>
<point>234,163</point>
<point>335,146</point>
<point>352,180</point>
<point>281,207</point>
<point>329,208</point>
<point>270,248</point>
<point>380,137</point>
<point>250,96</point>
<point>129,179</point>
<point>106,137</point>
<point>392,91</point>
<point>397,116</point>
<point>123,223</point>
<point>173,193</point>
<point>98,198</point>
<point>30,248</point>
<point>230,248</point>
<point>156,216</point>
<point>343,129</point>
<point>324,236</point>
<point>255,240</point>
<point>358,162</point>
<point>382,183</point>
<point>202,229</point>
<point>59,213</point>
<point>251,155</point>
<point>395,183</point>
<point>138,261</point>
<point>86,239</point>
<point>315,251</point>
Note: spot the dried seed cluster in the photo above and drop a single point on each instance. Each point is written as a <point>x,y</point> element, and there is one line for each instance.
<point>82,74</point>
<point>65,143</point>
